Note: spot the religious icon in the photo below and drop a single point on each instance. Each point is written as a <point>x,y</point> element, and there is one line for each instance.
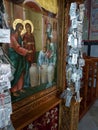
<point>17,56</point>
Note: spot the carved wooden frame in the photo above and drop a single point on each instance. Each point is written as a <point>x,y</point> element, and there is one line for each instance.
<point>30,108</point>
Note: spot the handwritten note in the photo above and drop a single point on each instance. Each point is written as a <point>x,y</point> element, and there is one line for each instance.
<point>4,35</point>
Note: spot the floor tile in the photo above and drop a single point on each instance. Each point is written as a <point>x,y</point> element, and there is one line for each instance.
<point>90,120</point>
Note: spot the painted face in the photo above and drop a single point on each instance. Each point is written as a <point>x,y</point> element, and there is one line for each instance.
<point>44,49</point>
<point>20,29</point>
<point>28,28</point>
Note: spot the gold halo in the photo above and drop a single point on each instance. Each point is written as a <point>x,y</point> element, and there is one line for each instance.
<point>28,21</point>
<point>16,21</point>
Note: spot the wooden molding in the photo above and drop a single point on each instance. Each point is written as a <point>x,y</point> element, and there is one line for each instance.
<point>17,105</point>
<point>31,108</point>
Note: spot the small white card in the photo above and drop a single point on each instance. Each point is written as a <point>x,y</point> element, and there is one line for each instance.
<point>4,35</point>
<point>74,23</point>
<point>75,43</point>
<point>82,7</point>
<point>74,59</point>
<point>73,6</point>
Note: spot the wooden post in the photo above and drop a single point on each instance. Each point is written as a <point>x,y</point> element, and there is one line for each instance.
<point>70,116</point>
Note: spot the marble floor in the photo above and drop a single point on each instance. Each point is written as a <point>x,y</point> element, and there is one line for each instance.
<point>90,120</point>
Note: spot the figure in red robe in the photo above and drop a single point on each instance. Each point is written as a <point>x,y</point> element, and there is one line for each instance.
<point>29,44</point>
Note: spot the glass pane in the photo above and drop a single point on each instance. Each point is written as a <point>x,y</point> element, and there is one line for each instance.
<point>32,51</point>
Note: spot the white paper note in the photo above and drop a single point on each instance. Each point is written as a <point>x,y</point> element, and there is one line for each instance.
<point>4,35</point>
